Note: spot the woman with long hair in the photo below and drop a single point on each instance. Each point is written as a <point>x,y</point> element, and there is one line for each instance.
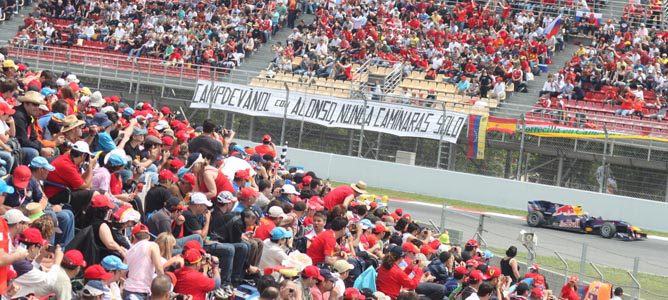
<point>392,279</point>
<point>211,181</point>
<point>509,266</point>
<point>99,213</point>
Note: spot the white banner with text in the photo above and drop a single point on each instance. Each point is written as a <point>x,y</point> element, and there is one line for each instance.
<point>330,111</point>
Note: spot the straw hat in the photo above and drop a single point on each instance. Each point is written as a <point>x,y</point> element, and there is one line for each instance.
<point>71,122</point>
<point>359,187</point>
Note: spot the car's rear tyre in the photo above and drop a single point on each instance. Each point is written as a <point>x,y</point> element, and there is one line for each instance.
<point>535,219</point>
<point>608,230</point>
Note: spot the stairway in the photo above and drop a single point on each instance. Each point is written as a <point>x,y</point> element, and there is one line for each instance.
<point>11,27</point>
<point>518,103</point>
<point>261,58</point>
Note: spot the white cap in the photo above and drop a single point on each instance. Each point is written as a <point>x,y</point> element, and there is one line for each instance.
<point>14,216</point>
<point>289,189</point>
<point>72,78</point>
<point>82,147</point>
<point>131,215</point>
<point>276,212</point>
<point>199,198</point>
<point>61,82</point>
<point>162,124</point>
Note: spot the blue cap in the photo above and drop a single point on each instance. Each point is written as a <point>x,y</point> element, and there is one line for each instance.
<point>113,263</point>
<point>101,119</point>
<point>139,131</point>
<point>41,163</point>
<point>366,224</point>
<point>105,142</point>
<point>280,233</point>
<point>47,91</point>
<point>487,254</point>
<point>114,159</point>
<point>4,188</point>
<point>128,112</point>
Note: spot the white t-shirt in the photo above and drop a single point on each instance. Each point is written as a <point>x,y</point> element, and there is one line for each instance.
<point>3,127</point>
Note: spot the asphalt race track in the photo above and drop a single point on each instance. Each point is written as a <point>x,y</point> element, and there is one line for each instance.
<point>502,232</point>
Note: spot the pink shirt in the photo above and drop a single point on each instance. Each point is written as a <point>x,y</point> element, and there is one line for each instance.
<point>140,268</point>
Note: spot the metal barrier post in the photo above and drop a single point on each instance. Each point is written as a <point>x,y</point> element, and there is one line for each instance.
<point>443,216</point>
<point>519,159</point>
<point>440,139</point>
<point>583,260</point>
<point>634,275</point>
<point>565,265</point>
<point>359,146</point>
<point>481,229</point>
<point>603,187</point>
<point>285,112</point>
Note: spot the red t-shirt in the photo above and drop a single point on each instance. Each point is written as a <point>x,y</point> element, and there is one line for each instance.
<point>263,231</point>
<point>568,293</point>
<point>263,149</point>
<point>222,184</point>
<point>4,245</point>
<point>191,282</point>
<point>337,196</point>
<point>391,281</point>
<point>66,173</point>
<point>322,246</point>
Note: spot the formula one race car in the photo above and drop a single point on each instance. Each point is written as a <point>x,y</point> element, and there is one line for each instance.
<point>543,213</point>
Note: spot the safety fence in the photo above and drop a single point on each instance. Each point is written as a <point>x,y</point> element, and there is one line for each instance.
<point>561,254</point>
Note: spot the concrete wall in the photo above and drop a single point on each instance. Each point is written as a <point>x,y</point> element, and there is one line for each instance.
<point>476,188</point>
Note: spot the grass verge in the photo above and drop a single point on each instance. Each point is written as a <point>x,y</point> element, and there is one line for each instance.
<point>652,285</point>
<point>458,203</point>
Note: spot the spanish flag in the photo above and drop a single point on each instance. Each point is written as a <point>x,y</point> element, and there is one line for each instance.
<point>477,136</point>
<point>502,125</point>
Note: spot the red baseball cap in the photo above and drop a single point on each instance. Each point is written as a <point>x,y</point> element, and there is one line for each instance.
<point>534,267</point>
<point>190,178</point>
<point>427,250</point>
<point>193,244</point>
<point>266,138</point>
<point>101,200</point>
<point>21,176</point>
<point>492,272</point>
<point>147,106</point>
<point>243,174</point>
<point>461,270</point>
<point>473,243</point>
<point>6,109</point>
<point>74,257</point>
<point>97,272</point>
<point>476,275</point>
<point>165,175</point>
<point>312,272</point>
<point>192,256</point>
<point>167,140</point>
<point>176,163</point>
<point>537,293</point>
<point>399,211</point>
<point>247,192</point>
<point>410,247</point>
<point>353,293</point>
<point>165,110</point>
<point>139,228</point>
<point>472,263</point>
<point>435,244</point>
<point>182,135</point>
<point>31,236</point>
<point>379,228</point>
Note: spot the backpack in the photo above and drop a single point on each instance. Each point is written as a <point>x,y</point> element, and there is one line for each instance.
<point>84,241</point>
<point>16,153</point>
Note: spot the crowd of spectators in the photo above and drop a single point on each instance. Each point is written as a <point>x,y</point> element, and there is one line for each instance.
<point>622,72</point>
<point>217,33</point>
<point>102,200</point>
<point>458,40</point>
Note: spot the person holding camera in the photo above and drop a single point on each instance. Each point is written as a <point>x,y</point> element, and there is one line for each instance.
<point>30,279</point>
<point>65,184</point>
<point>191,279</point>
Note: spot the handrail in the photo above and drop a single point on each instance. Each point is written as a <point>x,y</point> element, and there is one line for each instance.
<point>565,264</point>
<point>638,286</point>
<point>600,275</point>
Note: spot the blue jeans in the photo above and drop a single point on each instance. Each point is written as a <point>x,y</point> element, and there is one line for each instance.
<point>232,258</point>
<point>66,224</point>
<point>182,242</point>
<point>9,162</point>
<point>28,154</point>
<point>127,295</point>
